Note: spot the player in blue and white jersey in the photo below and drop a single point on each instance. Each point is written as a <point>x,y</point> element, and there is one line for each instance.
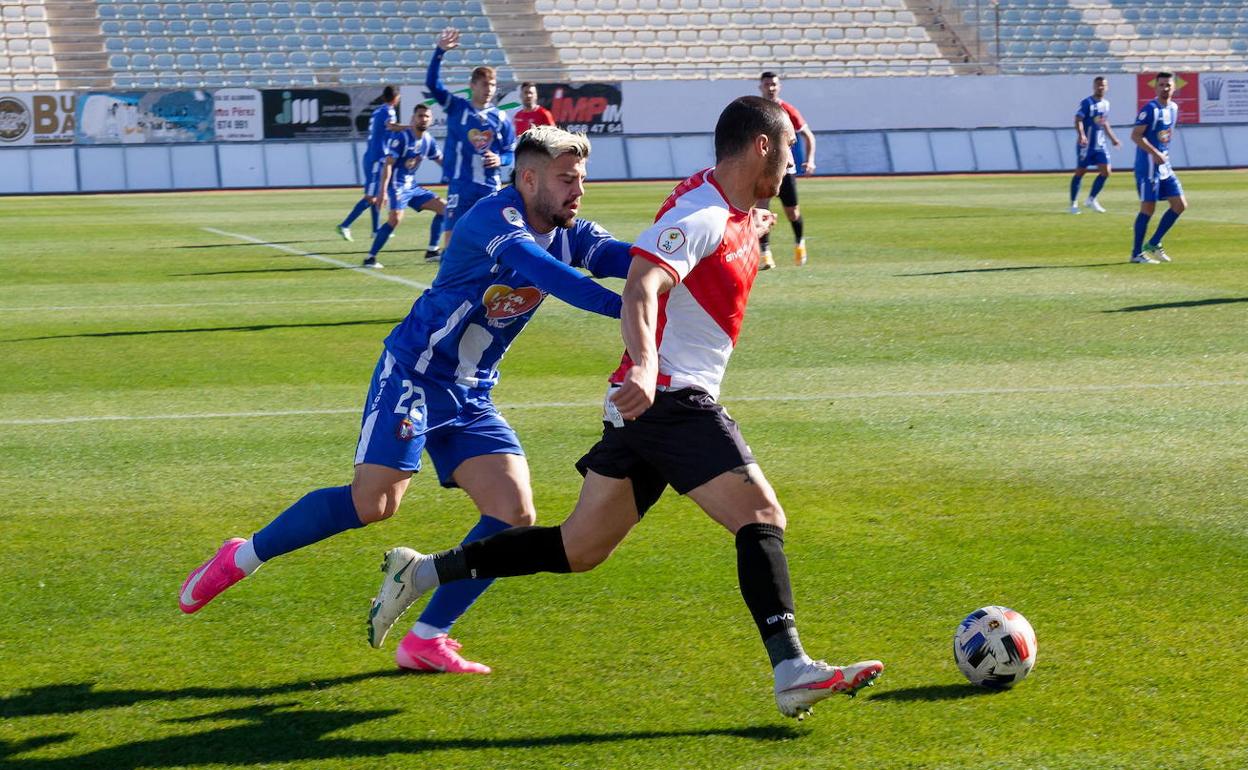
<point>398,177</point>
<point>480,140</point>
<point>431,389</point>
<point>1154,178</point>
<point>384,120</point>
<point>1093,128</point>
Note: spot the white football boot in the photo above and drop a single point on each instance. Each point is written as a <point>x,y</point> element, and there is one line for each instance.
<point>801,683</point>
<point>399,589</point>
<point>1095,205</point>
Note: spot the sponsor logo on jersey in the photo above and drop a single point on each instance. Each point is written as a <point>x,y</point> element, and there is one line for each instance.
<point>671,240</point>
<point>513,216</point>
<point>741,252</point>
<point>502,302</point>
<point>480,139</point>
<point>1143,115</point>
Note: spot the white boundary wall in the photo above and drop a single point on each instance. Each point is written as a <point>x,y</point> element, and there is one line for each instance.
<point>863,126</point>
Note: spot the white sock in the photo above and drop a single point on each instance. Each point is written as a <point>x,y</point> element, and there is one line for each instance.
<point>426,631</point>
<point>245,558</point>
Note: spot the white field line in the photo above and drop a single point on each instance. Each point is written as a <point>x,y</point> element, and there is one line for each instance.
<point>319,257</point>
<point>842,396</point>
<point>223,303</point>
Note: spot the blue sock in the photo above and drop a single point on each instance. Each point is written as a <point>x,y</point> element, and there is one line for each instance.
<point>453,599</point>
<point>355,212</point>
<point>1141,227</point>
<point>435,232</point>
<point>1075,182</point>
<point>379,240</point>
<point>1097,185</point>
<point>316,516</point>
<point>376,217</point>
<point>1167,219</point>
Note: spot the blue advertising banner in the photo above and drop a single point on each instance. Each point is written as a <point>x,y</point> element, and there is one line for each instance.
<point>144,117</point>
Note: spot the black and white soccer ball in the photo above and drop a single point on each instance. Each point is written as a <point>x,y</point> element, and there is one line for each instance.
<point>995,647</point>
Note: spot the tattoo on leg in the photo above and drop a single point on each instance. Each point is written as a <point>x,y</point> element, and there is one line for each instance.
<point>744,472</point>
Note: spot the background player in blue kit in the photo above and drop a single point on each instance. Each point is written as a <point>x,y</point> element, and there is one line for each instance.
<point>398,177</point>
<point>1092,127</point>
<point>480,140</point>
<point>432,386</point>
<point>383,121</point>
<point>1154,178</point>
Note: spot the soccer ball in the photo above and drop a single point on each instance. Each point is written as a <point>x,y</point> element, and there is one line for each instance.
<point>995,647</point>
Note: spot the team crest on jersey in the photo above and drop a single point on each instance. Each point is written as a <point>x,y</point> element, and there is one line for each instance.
<point>480,139</point>
<point>671,240</point>
<point>1163,136</point>
<point>513,217</point>
<point>503,303</point>
<point>1143,115</point>
<point>407,430</point>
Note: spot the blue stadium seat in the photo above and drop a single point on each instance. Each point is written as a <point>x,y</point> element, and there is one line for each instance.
<point>118,61</point>
<point>365,59</point>
<point>204,44</point>
<point>114,44</point>
<point>200,27</point>
<point>314,41</point>
<point>243,27</point>
<point>374,25</point>
<point>253,60</point>
<point>321,59</point>
<point>150,11</point>
<point>281,10</point>
<point>154,27</point>
<point>388,8</point>
<point>177,27</point>
<point>110,28</point>
<point>342,58</point>
<point>239,11</point>
<point>227,43</point>
<point>210,61</point>
<point>352,25</point>
<point>270,43</point>
<point>387,58</point>
<point>403,40</point>
<point>158,44</point>
<point>163,61</point>
<point>1239,45</point>
<point>378,42</point>
<point>132,27</point>
<point>249,43</point>
<point>195,11</point>
<point>221,26</point>
<point>266,26</point>
<point>231,61</point>
<point>187,61</point>
<point>336,42</point>
<point>297,59</point>
<point>259,10</point>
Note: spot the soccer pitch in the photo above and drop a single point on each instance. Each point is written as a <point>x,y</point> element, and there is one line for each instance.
<point>968,397</point>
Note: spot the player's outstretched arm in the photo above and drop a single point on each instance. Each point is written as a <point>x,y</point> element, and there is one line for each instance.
<point>448,40</point>
<point>639,320</point>
<point>565,282</point>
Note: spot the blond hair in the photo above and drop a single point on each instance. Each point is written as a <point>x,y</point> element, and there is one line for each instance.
<point>550,142</point>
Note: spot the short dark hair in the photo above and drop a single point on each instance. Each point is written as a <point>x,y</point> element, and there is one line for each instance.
<point>768,74</point>
<point>1161,75</point>
<point>481,73</point>
<point>419,107</point>
<point>1098,79</point>
<point>527,84</point>
<point>388,93</point>
<point>745,118</point>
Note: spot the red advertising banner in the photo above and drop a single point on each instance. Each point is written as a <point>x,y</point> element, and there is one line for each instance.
<point>1186,93</point>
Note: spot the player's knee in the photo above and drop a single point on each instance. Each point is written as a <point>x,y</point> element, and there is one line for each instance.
<point>1179,206</point>
<point>771,514</point>
<point>582,557</point>
<point>517,515</point>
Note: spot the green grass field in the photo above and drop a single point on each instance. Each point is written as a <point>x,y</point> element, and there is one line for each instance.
<point>967,398</point>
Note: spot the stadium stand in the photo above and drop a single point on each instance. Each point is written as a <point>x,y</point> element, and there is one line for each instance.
<point>46,44</point>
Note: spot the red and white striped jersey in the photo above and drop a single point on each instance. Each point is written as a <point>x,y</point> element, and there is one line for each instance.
<point>711,250</point>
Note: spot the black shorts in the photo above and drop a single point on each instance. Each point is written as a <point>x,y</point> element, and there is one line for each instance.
<point>788,190</point>
<point>685,439</point>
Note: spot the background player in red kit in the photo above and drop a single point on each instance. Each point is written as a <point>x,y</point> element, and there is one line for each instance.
<point>769,87</point>
<point>683,304</point>
<point>530,113</point>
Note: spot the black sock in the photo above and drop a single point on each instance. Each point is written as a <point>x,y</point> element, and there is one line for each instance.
<point>515,551</point>
<point>797,229</point>
<point>764,241</point>
<point>763,573</point>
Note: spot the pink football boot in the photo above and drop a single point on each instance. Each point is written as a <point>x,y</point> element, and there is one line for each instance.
<point>211,578</point>
<point>440,654</point>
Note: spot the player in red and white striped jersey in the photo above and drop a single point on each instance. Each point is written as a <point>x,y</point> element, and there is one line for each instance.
<point>683,304</point>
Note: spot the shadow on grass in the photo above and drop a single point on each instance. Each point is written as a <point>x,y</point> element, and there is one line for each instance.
<point>1012,269</point>
<point>280,733</point>
<point>1188,303</point>
<point>206,329</point>
<point>935,692</point>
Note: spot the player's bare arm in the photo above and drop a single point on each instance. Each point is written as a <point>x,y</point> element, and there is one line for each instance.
<point>808,165</point>
<point>1109,131</point>
<point>1083,138</point>
<point>638,324</point>
<point>1137,136</point>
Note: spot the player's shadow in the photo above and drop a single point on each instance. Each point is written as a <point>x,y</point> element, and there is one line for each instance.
<point>1011,269</point>
<point>208,329</point>
<point>281,733</point>
<point>934,692</point>
<point>73,697</point>
<point>1188,303</point>
<point>232,245</point>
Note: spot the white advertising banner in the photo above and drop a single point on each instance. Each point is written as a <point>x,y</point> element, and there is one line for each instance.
<point>238,114</point>
<point>36,119</point>
<point>1224,97</point>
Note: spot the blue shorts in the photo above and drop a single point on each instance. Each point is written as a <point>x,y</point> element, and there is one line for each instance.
<point>406,413</point>
<point>372,175</point>
<point>1089,157</point>
<point>1153,188</point>
<point>460,199</point>
<point>414,196</point>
